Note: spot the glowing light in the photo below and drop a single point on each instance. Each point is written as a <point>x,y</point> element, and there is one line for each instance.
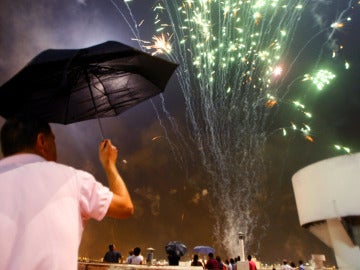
<point>298,104</point>
<point>347,65</point>
<point>322,78</point>
<point>342,148</point>
<point>156,138</point>
<point>337,25</point>
<point>270,103</point>
<point>278,70</point>
<point>257,16</point>
<point>309,138</point>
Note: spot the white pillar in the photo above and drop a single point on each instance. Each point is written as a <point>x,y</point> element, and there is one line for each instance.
<point>242,248</point>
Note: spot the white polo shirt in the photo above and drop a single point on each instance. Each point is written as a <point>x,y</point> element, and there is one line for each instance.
<point>43,209</point>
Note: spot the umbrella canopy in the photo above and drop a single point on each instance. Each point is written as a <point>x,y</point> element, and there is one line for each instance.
<point>205,250</point>
<point>175,248</point>
<point>67,86</point>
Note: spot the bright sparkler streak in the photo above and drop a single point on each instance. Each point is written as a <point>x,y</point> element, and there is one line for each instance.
<point>228,50</point>
<point>337,25</point>
<point>161,45</point>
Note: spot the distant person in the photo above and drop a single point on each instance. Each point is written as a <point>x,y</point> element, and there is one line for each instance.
<point>196,262</point>
<point>44,204</point>
<point>233,264</point>
<point>301,265</point>
<point>112,256</point>
<point>137,258</point>
<point>220,263</point>
<point>150,256</point>
<point>252,265</point>
<point>173,258</point>
<point>128,259</point>
<point>211,262</point>
<point>285,266</point>
<point>228,264</point>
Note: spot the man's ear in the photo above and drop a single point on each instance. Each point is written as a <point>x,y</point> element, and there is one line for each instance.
<point>40,145</point>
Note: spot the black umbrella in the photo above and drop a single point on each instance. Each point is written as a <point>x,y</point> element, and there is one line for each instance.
<point>67,86</point>
<point>175,248</point>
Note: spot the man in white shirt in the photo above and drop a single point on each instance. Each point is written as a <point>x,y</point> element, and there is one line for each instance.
<point>285,266</point>
<point>45,205</point>
<point>136,258</point>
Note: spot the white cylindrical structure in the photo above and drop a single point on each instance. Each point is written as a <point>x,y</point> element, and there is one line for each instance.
<point>242,246</point>
<point>327,195</point>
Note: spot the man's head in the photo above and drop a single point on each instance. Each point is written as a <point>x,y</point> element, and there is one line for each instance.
<point>111,247</point>
<point>137,251</point>
<point>25,135</point>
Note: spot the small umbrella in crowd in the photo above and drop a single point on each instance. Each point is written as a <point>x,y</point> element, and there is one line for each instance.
<point>67,86</point>
<point>174,250</point>
<point>203,250</point>
<point>176,247</point>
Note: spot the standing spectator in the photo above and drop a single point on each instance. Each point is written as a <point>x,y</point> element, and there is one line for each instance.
<point>233,264</point>
<point>112,256</point>
<point>252,265</point>
<point>301,265</point>
<point>137,258</point>
<point>128,259</point>
<point>196,262</point>
<point>220,263</point>
<point>285,266</point>
<point>228,264</point>
<point>211,262</point>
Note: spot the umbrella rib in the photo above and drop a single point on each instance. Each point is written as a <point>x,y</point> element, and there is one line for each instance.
<point>112,107</point>
<point>87,78</point>
<point>105,90</point>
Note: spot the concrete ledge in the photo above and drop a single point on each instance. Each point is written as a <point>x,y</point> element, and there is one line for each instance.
<point>118,266</point>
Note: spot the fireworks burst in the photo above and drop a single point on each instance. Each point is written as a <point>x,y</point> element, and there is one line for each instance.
<point>232,56</point>
<point>231,65</point>
<point>161,45</point>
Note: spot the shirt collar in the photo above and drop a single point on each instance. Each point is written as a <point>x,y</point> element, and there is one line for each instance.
<point>18,160</point>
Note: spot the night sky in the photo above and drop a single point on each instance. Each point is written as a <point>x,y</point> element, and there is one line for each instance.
<point>169,186</point>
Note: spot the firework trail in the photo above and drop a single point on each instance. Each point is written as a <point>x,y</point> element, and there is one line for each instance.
<point>232,56</point>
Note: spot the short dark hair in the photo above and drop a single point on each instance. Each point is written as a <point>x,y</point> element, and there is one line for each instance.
<point>20,133</point>
<point>137,251</point>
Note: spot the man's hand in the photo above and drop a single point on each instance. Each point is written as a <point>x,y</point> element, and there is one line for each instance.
<point>121,205</point>
<point>108,153</point>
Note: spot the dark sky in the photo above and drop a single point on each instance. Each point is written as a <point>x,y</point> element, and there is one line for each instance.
<point>171,189</point>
